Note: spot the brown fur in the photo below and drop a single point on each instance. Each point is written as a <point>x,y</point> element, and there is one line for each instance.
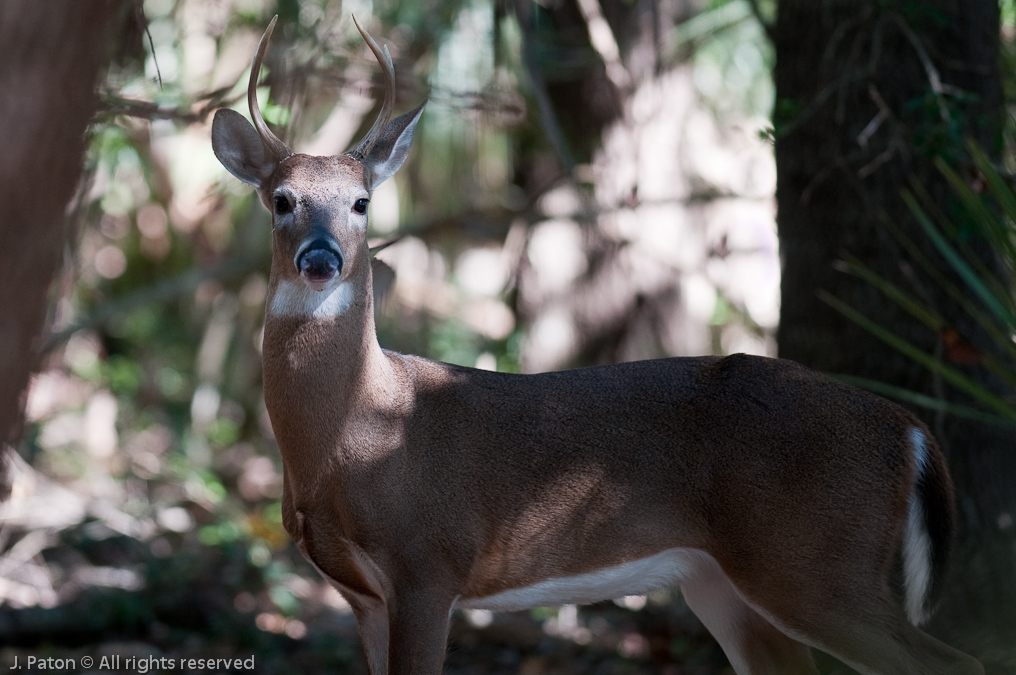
<point>413,484</point>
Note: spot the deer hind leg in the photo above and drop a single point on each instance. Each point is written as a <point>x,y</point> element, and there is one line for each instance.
<point>864,625</point>
<point>879,640</point>
<point>753,645</point>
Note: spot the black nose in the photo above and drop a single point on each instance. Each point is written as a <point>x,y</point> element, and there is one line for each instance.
<point>320,261</point>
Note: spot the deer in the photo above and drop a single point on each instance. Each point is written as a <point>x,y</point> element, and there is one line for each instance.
<point>794,512</point>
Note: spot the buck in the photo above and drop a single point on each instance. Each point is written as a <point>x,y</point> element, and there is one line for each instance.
<point>793,511</point>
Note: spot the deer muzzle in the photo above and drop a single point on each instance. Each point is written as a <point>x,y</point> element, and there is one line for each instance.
<point>319,263</point>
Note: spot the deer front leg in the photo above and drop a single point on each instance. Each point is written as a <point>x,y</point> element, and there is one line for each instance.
<point>372,621</point>
<point>418,632</point>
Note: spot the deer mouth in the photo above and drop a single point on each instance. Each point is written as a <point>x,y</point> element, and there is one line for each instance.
<point>319,263</point>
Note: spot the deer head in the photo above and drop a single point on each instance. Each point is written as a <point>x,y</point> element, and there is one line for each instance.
<point>320,260</point>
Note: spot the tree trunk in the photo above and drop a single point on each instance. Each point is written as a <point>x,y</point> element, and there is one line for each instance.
<point>52,53</point>
<point>867,95</point>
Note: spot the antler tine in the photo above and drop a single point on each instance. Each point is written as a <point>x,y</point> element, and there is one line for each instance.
<point>274,145</point>
<point>388,72</point>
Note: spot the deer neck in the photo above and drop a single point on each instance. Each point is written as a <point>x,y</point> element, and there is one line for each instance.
<point>323,368</point>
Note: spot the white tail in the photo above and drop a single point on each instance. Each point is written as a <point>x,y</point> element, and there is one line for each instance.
<point>917,545</point>
<point>793,511</point>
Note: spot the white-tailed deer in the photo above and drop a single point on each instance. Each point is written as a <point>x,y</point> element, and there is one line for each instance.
<point>793,511</point>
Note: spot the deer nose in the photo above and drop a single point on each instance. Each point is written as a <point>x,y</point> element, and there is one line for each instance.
<point>320,262</point>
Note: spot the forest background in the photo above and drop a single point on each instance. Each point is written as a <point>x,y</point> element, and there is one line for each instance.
<point>591,182</point>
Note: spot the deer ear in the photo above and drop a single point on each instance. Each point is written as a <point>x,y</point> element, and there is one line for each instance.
<point>392,147</point>
<point>240,149</point>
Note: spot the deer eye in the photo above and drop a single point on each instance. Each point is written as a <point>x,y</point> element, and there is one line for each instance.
<point>282,204</point>
<point>360,206</point>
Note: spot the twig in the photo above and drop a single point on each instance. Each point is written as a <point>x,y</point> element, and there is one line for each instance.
<point>934,78</point>
<point>814,183</point>
<point>139,16</point>
<point>820,99</point>
<point>873,166</point>
<point>113,105</point>
<point>148,110</point>
<point>884,113</point>
<point>601,37</point>
<point>377,248</point>
<point>844,27</point>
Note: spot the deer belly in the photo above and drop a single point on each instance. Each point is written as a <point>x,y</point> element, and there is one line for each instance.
<point>631,578</point>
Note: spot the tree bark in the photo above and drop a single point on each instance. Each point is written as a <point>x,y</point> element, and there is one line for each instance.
<point>867,95</point>
<point>52,54</point>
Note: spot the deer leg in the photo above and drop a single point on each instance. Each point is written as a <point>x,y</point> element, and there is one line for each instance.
<point>881,641</point>
<point>752,644</point>
<point>418,633</point>
<point>372,621</point>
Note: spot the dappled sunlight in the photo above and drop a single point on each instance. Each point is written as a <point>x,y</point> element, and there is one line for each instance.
<point>684,229</point>
<point>149,481</point>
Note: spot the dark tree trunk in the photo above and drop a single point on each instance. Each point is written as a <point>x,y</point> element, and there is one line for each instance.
<point>52,52</point>
<point>867,95</point>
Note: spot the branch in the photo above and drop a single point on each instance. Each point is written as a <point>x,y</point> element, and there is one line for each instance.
<point>158,293</point>
<point>601,37</point>
<point>934,78</point>
<point>112,105</point>
<point>820,99</point>
<point>139,16</point>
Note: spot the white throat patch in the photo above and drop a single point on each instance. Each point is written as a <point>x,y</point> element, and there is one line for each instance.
<point>297,299</point>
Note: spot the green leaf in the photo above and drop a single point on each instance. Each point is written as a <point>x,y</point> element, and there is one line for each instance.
<point>951,375</point>
<point>917,310</point>
<point>991,301</point>
<point>987,225</point>
<point>1000,336</point>
<point>1003,232</point>
<point>922,400</point>
<point>929,318</point>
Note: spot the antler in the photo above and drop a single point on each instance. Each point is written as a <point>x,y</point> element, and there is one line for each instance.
<point>388,72</point>
<point>272,143</point>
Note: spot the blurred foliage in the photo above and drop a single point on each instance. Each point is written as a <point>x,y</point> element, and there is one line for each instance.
<point>975,237</point>
<point>983,219</point>
<point>150,473</point>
